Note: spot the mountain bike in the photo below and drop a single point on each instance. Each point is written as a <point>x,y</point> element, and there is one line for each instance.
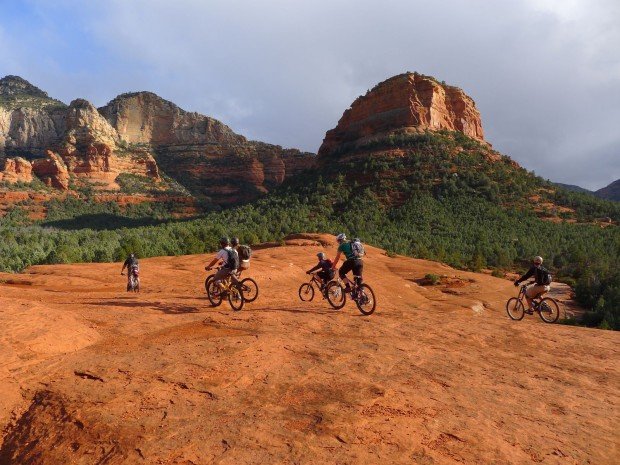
<point>248,286</point>
<point>133,283</point>
<point>226,290</point>
<point>547,308</point>
<point>306,290</point>
<point>362,295</point>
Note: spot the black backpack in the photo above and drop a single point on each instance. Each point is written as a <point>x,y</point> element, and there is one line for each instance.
<point>233,259</point>
<point>546,276</point>
<point>244,252</point>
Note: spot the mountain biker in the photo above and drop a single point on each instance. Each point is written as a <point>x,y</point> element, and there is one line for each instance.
<point>326,267</point>
<point>229,260</point>
<point>541,285</point>
<point>353,261</point>
<point>244,253</point>
<point>132,265</point>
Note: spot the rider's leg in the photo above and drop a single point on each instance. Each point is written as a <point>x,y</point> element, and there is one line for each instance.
<point>324,278</point>
<point>342,272</point>
<point>358,269</point>
<point>234,277</point>
<point>220,276</point>
<point>533,292</point>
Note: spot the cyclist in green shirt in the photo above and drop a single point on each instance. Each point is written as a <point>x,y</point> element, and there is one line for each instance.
<point>352,262</point>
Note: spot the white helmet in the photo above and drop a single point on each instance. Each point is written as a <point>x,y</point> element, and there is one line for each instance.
<point>538,260</point>
<point>341,237</point>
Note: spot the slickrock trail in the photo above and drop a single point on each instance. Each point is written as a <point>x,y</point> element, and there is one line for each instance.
<point>438,375</point>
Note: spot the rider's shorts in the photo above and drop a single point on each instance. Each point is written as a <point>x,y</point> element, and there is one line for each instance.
<point>535,290</point>
<point>223,273</point>
<point>352,264</point>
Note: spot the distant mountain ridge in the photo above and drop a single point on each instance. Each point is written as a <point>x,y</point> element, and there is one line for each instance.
<point>136,134</point>
<point>573,188</point>
<point>609,192</point>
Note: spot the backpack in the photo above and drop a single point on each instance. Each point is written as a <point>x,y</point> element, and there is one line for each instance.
<point>244,252</point>
<point>546,277</point>
<point>233,259</point>
<point>357,248</point>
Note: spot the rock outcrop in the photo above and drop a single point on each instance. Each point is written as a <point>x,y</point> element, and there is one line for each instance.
<point>200,152</point>
<point>138,134</point>
<point>15,170</point>
<point>52,171</point>
<point>144,117</point>
<point>407,102</point>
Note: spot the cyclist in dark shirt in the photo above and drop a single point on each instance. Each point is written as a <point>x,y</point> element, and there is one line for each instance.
<point>326,267</point>
<point>541,285</point>
<point>132,265</point>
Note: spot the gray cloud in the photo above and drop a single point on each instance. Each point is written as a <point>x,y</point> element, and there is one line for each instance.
<point>544,73</point>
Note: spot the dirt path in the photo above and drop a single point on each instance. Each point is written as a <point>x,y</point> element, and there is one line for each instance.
<point>438,375</point>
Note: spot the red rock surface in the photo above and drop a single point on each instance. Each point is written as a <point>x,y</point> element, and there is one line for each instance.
<point>408,101</point>
<point>438,375</point>
<point>52,171</point>
<point>14,170</point>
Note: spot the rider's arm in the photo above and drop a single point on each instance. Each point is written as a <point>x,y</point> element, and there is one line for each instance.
<point>124,266</point>
<point>526,275</point>
<point>336,260</point>
<point>315,268</point>
<point>213,262</point>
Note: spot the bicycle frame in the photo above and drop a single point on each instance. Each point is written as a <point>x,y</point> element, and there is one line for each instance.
<point>535,300</point>
<point>315,280</point>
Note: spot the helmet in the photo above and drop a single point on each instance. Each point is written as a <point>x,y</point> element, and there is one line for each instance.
<point>321,256</point>
<point>224,241</point>
<point>538,260</point>
<point>132,255</point>
<point>234,241</point>
<point>341,237</point>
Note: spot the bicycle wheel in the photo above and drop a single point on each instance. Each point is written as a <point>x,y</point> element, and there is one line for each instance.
<point>365,300</point>
<point>549,310</point>
<point>250,289</point>
<point>214,294</point>
<point>208,280</point>
<point>515,309</point>
<point>235,298</point>
<point>306,292</point>
<point>336,295</point>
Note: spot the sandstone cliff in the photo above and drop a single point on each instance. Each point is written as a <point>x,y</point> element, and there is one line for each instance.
<point>407,102</point>
<point>15,170</point>
<point>137,134</point>
<point>200,152</point>
<point>30,121</point>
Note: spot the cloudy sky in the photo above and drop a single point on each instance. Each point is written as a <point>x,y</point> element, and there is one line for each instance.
<point>545,74</point>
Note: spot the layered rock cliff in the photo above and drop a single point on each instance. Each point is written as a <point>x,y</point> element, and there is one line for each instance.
<point>136,133</point>
<point>200,152</point>
<point>30,121</point>
<point>407,102</point>
<point>55,143</point>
